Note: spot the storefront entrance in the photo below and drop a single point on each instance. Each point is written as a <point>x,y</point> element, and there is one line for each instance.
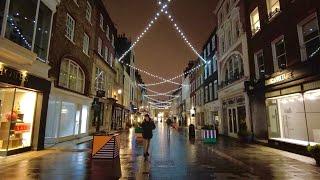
<point>233,121</point>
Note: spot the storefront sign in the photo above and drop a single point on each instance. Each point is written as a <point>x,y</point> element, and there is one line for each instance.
<point>13,76</point>
<point>279,78</point>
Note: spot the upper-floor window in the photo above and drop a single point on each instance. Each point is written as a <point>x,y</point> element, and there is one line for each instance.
<point>233,69</point>
<point>206,94</point>
<point>309,37</point>
<point>279,53</point>
<point>108,32</point>
<point>70,24</point>
<point>71,76</point>
<point>88,11</point>
<point>255,21</point>
<point>214,64</point>
<point>100,80</point>
<point>43,31</point>
<point>86,42</point>
<point>111,60</point>
<point>106,53</point>
<point>112,40</point>
<point>209,68</point>
<point>206,71</point>
<point>210,92</point>
<point>215,84</point>
<point>213,41</point>
<point>20,18</point>
<point>273,8</point>
<point>205,54</point>
<point>101,21</point>
<point>100,46</point>
<point>208,49</point>
<point>259,64</point>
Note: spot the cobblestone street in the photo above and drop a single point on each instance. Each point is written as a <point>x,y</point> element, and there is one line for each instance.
<point>172,156</point>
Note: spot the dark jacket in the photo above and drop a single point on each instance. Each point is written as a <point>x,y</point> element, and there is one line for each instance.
<point>147,127</point>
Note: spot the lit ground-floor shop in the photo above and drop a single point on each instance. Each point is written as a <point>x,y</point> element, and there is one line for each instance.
<point>68,116</point>
<point>293,114</point>
<point>23,109</point>
<point>212,113</point>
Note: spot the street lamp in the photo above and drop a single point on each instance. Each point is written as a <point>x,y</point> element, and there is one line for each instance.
<point>119,91</point>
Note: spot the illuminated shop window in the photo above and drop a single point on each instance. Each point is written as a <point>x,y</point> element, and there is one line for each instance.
<point>16,117</point>
<point>295,118</point>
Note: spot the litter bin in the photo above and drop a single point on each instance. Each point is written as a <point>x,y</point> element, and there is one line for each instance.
<point>192,132</point>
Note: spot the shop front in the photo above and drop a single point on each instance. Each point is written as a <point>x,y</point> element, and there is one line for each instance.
<point>293,114</point>
<point>235,115</point>
<point>68,116</point>
<point>23,109</point>
<point>212,113</point>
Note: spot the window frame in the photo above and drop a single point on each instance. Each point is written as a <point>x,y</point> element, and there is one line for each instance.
<point>257,66</point>
<point>302,43</point>
<point>274,52</point>
<point>101,19</point>
<point>86,47</point>
<point>73,23</point>
<point>100,47</point>
<point>215,89</point>
<point>252,23</point>
<point>100,79</point>
<point>89,12</point>
<point>79,69</point>
<point>106,53</point>
<point>210,91</point>
<point>272,14</point>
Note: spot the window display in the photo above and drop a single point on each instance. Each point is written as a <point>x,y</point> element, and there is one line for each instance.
<point>295,118</point>
<point>17,108</point>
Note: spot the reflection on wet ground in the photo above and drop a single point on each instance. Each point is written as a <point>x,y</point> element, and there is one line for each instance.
<point>172,156</point>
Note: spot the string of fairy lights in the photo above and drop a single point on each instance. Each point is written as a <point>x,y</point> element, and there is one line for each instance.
<point>154,102</point>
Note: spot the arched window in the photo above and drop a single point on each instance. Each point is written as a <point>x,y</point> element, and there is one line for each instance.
<point>233,69</point>
<point>71,76</point>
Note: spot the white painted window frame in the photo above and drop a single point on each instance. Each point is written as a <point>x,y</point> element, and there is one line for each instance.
<point>303,50</point>
<point>274,54</point>
<point>86,43</point>
<point>89,12</point>
<point>70,26</point>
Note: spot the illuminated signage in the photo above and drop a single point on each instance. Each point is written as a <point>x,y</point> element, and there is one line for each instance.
<point>279,78</point>
<point>13,76</point>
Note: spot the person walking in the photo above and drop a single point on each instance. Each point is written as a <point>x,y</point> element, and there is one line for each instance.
<point>147,127</point>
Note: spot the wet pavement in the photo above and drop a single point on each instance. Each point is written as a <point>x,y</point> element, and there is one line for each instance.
<point>172,156</point>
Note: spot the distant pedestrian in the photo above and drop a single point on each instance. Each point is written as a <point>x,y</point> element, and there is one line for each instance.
<point>147,127</point>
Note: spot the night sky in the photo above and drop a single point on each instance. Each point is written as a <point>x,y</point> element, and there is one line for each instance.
<point>162,51</point>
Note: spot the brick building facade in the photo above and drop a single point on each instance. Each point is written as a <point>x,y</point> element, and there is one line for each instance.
<point>81,58</point>
<point>284,43</point>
